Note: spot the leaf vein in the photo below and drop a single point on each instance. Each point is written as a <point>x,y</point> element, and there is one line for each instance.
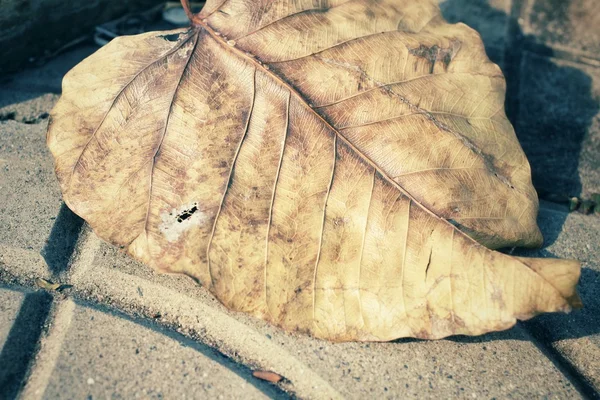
<point>164,132</point>
<point>230,175</point>
<point>314,300</point>
<point>270,221</point>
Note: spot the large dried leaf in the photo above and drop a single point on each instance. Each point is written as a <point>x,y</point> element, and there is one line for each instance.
<point>321,167</point>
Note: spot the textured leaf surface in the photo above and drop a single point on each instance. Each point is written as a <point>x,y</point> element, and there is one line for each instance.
<point>329,166</point>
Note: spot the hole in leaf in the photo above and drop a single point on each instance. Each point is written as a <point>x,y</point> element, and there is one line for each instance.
<point>173,37</point>
<point>187,214</point>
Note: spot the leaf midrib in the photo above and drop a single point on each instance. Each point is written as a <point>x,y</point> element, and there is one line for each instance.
<point>280,80</point>
<point>267,71</point>
<point>467,142</point>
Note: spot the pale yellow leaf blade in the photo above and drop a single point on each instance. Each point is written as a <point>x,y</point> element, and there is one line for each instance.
<point>329,169</point>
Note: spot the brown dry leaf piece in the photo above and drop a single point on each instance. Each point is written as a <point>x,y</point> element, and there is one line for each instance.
<point>336,170</point>
<point>267,376</point>
<point>49,285</point>
<point>46,284</point>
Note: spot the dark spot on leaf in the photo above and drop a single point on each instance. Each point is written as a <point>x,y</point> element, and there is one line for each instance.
<point>428,263</point>
<point>435,53</point>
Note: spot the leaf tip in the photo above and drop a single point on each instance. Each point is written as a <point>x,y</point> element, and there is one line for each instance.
<point>563,275</point>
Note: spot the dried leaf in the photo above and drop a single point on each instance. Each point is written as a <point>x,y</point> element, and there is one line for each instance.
<point>46,284</point>
<point>267,376</point>
<point>329,169</point>
<point>49,285</point>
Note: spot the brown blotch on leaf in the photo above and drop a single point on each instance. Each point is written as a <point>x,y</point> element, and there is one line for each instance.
<point>435,54</point>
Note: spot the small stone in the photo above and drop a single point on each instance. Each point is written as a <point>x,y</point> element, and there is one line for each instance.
<point>90,381</point>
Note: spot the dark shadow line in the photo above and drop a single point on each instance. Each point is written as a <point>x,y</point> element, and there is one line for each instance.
<point>270,390</point>
<point>579,382</point>
<point>62,240</point>
<point>498,336</point>
<point>22,343</point>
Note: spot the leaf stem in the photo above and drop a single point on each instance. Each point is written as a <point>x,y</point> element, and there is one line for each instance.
<point>194,19</point>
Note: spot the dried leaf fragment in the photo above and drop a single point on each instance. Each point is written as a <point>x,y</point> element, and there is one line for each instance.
<point>337,171</point>
<point>267,376</point>
<point>49,285</point>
